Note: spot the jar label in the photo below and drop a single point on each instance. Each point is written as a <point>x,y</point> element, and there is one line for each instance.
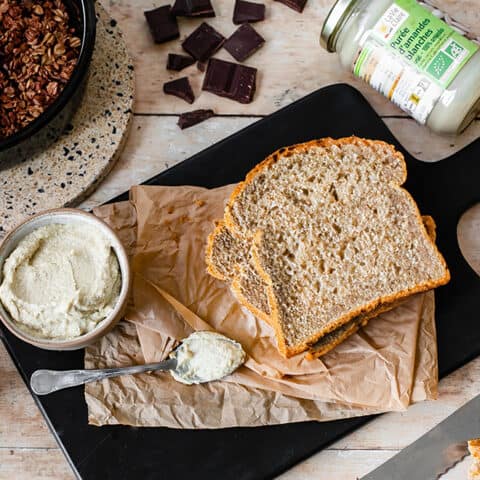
<point>411,57</point>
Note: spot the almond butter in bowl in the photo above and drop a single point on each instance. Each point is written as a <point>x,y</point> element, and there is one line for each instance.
<point>64,279</point>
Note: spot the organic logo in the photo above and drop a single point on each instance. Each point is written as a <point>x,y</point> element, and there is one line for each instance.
<point>439,65</point>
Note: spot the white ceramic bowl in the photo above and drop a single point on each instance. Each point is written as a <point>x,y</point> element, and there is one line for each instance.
<point>67,216</point>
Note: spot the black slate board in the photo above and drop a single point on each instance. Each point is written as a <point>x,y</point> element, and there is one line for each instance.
<point>444,190</point>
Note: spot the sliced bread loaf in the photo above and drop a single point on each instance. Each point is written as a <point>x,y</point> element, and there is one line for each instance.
<point>228,258</point>
<point>333,235</point>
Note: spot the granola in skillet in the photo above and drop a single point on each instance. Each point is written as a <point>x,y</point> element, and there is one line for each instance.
<point>38,52</point>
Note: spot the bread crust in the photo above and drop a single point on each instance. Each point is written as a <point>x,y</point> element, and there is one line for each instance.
<point>319,351</point>
<point>360,322</point>
<point>211,268</point>
<point>474,448</point>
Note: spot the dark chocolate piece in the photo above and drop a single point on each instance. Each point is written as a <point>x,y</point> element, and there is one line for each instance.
<point>248,12</point>
<point>245,41</point>
<point>189,119</point>
<point>297,5</point>
<point>163,25</point>
<point>193,8</point>
<point>179,62</point>
<point>203,42</point>
<point>230,80</point>
<point>180,88</point>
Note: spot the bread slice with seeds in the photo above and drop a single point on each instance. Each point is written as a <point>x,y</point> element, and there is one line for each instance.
<point>332,235</point>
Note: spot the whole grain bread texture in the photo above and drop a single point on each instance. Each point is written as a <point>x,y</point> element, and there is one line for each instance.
<point>332,235</point>
<point>329,341</point>
<point>229,259</point>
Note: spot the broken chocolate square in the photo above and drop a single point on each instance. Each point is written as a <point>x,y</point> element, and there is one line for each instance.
<point>179,62</point>
<point>193,8</point>
<point>248,12</point>
<point>297,5</point>
<point>180,88</point>
<point>230,80</point>
<point>203,42</point>
<point>245,41</point>
<point>163,25</point>
<point>189,119</point>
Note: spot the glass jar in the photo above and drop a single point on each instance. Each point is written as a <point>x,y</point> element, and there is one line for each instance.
<point>424,66</point>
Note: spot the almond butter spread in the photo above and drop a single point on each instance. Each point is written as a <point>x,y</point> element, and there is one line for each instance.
<point>205,357</point>
<point>61,281</point>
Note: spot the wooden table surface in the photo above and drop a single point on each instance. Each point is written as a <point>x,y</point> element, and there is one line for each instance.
<point>291,65</point>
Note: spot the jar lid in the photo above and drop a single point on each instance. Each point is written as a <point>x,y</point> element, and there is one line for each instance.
<point>333,21</point>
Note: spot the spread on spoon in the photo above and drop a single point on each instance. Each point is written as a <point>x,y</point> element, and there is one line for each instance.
<point>205,357</point>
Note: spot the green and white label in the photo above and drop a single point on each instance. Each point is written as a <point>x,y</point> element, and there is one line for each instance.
<point>412,57</point>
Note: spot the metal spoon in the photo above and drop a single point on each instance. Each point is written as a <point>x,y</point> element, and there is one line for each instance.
<point>43,382</point>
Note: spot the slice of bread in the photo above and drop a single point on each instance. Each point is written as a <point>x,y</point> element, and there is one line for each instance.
<point>332,235</point>
<point>474,449</point>
<point>228,258</point>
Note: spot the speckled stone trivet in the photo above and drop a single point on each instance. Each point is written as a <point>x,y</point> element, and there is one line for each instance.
<point>72,167</point>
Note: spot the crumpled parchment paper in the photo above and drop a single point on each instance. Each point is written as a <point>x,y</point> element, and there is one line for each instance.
<point>389,364</point>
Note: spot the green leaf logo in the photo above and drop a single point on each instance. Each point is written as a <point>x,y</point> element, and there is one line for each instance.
<point>439,65</point>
